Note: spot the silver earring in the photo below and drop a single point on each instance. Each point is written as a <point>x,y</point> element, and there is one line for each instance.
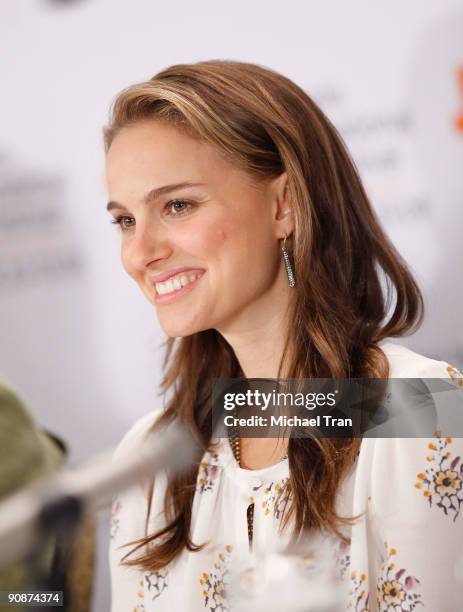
<point>289,269</point>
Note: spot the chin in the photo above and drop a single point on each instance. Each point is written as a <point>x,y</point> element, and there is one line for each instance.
<point>181,329</point>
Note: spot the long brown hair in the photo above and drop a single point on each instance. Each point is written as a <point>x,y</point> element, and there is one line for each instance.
<point>353,288</point>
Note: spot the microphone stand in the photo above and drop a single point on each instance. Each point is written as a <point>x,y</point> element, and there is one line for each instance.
<point>55,509</point>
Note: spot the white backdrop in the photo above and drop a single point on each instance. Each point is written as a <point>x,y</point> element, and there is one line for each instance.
<point>77,338</point>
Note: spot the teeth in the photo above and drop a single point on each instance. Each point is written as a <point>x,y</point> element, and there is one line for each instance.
<point>175,283</point>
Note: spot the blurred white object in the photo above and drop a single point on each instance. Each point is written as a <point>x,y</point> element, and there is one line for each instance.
<point>295,580</point>
<point>72,494</point>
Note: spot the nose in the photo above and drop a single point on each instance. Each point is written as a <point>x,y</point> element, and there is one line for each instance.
<point>147,244</point>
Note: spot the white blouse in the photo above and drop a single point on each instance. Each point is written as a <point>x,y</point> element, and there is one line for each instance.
<point>405,552</point>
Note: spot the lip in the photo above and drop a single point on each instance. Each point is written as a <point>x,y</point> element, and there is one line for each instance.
<point>166,298</point>
<point>163,276</point>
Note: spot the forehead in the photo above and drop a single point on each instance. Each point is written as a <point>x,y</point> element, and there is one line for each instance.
<point>151,149</point>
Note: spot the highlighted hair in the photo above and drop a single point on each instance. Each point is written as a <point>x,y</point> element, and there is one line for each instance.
<point>353,288</point>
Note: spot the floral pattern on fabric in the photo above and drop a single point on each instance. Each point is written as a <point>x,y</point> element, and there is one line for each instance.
<point>157,582</point>
<point>456,375</point>
<point>358,593</point>
<point>114,520</point>
<point>207,473</point>
<point>342,559</point>
<point>442,481</point>
<point>214,582</point>
<point>277,495</point>
<point>397,590</point>
<point>140,607</point>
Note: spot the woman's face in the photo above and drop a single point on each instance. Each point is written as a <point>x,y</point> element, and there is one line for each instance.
<point>199,237</point>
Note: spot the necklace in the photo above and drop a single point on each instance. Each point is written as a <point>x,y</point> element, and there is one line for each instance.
<point>236,447</point>
<point>236,450</point>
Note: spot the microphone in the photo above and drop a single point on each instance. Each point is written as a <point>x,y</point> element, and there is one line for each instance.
<point>62,501</point>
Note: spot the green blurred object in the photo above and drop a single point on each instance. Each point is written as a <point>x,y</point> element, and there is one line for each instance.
<point>27,454</point>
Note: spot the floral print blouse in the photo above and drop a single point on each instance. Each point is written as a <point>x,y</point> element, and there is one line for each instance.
<point>403,553</point>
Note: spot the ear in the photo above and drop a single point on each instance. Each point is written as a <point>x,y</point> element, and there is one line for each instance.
<point>282,210</point>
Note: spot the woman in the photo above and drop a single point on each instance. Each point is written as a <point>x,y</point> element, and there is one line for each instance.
<point>243,220</point>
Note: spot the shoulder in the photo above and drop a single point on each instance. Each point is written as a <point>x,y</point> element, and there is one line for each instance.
<point>135,435</point>
<point>396,455</point>
<point>129,505</point>
<point>405,363</point>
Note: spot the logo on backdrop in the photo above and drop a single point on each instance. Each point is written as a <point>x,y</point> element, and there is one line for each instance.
<point>459,119</point>
<point>35,245</point>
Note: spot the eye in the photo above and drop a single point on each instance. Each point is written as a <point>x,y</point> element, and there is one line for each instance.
<point>176,208</point>
<point>124,222</point>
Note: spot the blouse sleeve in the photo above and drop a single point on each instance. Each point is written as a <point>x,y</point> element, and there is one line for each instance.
<point>416,524</point>
<point>127,523</point>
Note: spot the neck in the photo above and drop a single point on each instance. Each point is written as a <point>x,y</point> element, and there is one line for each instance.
<point>258,335</point>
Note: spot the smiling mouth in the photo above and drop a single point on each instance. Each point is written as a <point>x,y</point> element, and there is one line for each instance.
<point>176,283</point>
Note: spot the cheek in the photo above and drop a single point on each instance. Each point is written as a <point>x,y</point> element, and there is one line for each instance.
<point>211,241</point>
<point>219,237</point>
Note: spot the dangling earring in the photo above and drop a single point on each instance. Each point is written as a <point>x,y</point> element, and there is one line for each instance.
<point>289,269</point>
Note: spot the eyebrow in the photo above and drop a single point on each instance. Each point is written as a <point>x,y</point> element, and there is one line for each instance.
<point>154,194</point>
